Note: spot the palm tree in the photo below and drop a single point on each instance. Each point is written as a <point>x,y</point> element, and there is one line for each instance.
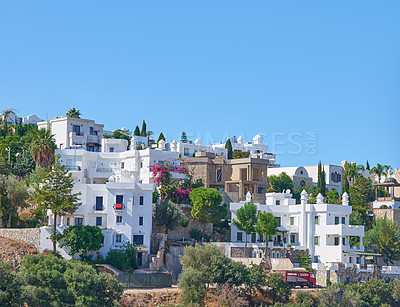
<point>72,112</point>
<point>351,171</point>
<point>380,170</point>
<point>42,148</point>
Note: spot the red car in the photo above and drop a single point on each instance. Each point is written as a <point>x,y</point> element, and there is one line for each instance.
<point>299,278</point>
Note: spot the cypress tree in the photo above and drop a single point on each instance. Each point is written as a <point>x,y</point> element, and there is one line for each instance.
<point>323,183</point>
<point>184,137</point>
<point>319,183</point>
<point>143,132</point>
<point>161,137</point>
<point>367,167</point>
<point>228,145</point>
<point>137,131</point>
<point>345,187</point>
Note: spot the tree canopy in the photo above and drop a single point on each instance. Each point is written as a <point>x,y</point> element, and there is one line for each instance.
<point>228,146</point>
<point>169,216</point>
<point>267,225</point>
<point>280,182</point>
<point>72,112</point>
<point>246,219</point>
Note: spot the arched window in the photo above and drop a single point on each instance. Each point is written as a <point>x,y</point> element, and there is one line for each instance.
<point>302,183</point>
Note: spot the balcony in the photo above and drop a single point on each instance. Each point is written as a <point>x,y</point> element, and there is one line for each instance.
<point>73,168</point>
<point>98,208</point>
<point>119,207</point>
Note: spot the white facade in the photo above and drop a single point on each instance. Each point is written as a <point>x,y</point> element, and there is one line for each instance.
<point>189,149</point>
<point>321,228</point>
<point>12,118</point>
<point>75,132</point>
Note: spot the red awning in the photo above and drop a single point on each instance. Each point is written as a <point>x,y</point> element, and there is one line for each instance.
<point>118,206</point>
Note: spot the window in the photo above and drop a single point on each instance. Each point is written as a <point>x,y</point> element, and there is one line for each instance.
<point>219,175</point>
<point>278,202</point>
<point>344,241</point>
<point>140,220</point>
<point>90,148</point>
<point>111,149</point>
<point>99,203</point>
<point>68,221</point>
<point>119,219</point>
<point>343,220</point>
<point>292,220</point>
<point>336,220</point>
<point>253,237</point>
<point>316,220</point>
<point>91,131</point>
<point>118,238</point>
<point>336,242</point>
<point>141,200</point>
<point>292,239</point>
<point>278,219</point>
<point>186,152</point>
<point>138,239</point>
<point>76,129</point>
<point>99,220</point>
<point>316,241</point>
<point>350,259</point>
<point>239,237</point>
<point>79,221</point>
<point>119,199</point>
<point>122,165</point>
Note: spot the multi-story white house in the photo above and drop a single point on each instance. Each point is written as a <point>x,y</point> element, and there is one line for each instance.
<point>12,118</point>
<point>75,132</point>
<point>321,228</point>
<point>189,149</point>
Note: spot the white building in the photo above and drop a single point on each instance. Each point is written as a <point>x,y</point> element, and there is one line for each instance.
<point>321,228</point>
<point>75,132</point>
<point>12,118</point>
<point>306,175</point>
<point>189,149</point>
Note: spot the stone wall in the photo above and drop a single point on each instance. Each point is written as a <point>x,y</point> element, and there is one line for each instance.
<point>28,235</point>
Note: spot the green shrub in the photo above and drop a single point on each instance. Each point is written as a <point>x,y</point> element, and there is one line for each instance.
<point>124,260</point>
<point>195,234</point>
<point>192,282</point>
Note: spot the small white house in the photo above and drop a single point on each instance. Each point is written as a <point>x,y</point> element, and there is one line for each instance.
<point>321,228</point>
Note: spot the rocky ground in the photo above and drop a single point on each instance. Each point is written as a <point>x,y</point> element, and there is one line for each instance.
<point>14,251</point>
<point>150,297</point>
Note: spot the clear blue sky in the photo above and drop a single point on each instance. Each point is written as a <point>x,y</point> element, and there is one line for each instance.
<point>323,74</point>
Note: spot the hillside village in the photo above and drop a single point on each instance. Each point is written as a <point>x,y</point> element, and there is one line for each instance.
<point>148,211</point>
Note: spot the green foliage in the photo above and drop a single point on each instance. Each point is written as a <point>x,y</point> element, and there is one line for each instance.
<point>228,146</point>
<point>137,131</point>
<point>278,287</point>
<point>168,215</point>
<point>124,259</point>
<point>280,182</point>
<point>361,192</point>
<point>10,286</point>
<point>82,239</point>
<point>192,282</point>
<point>305,260</point>
<point>50,281</point>
<point>304,299</point>
<point>373,293</point>
<point>351,171</point>
<point>351,298</point>
<point>266,226</point>
<point>195,234</point>
<point>321,185</point>
<point>13,197</point>
<point>333,197</point>
<point>42,148</point>
<point>74,113</point>
<point>380,170</point>
<point>240,154</point>
<point>184,138</point>
<point>367,167</point>
<point>246,219</point>
<point>385,237</point>
<point>155,196</point>
<point>207,206</point>
<point>329,297</point>
<point>55,194</point>
<point>161,137</point>
<point>143,132</point>
<point>346,186</point>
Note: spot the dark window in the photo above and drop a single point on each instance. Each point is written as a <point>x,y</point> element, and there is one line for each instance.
<point>292,239</point>
<point>343,220</point>
<point>119,219</point>
<point>253,237</point>
<point>90,148</point>
<point>99,203</point>
<point>99,220</point>
<point>336,220</point>
<point>140,220</point>
<point>118,238</point>
<point>91,130</point>
<point>138,239</point>
<point>111,149</point>
<point>68,221</point>
<point>219,175</point>
<point>336,241</point>
<point>76,129</point>
<point>344,241</point>
<point>141,200</point>
<point>278,202</point>
<point>119,199</point>
<point>95,132</point>
<point>122,165</point>
<point>79,221</point>
<point>239,237</point>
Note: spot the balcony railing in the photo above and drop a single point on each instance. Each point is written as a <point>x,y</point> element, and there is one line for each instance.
<point>119,207</point>
<point>73,168</point>
<point>98,208</point>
